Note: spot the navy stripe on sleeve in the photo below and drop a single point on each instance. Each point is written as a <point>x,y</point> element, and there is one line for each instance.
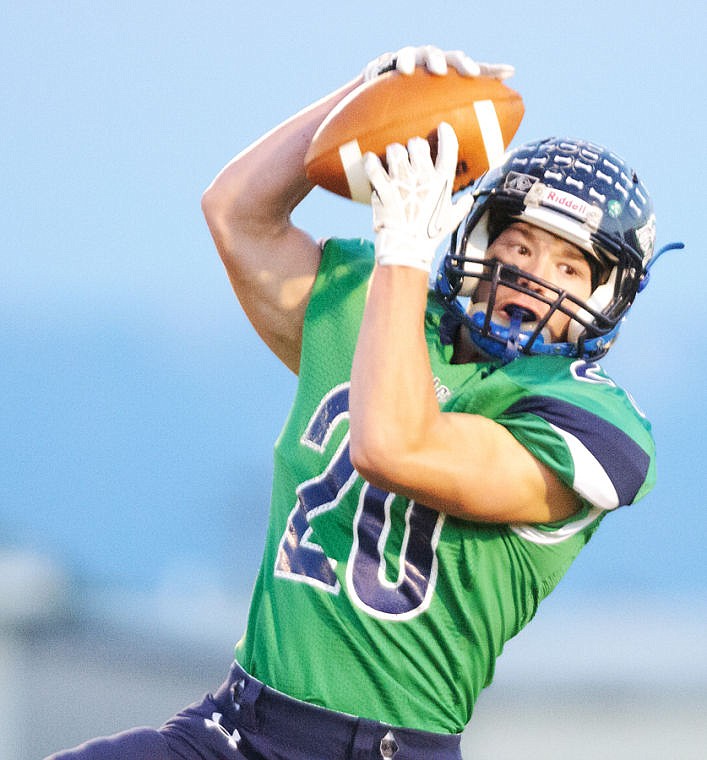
<point>624,461</point>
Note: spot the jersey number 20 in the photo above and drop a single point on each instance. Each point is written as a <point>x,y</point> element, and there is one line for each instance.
<point>368,586</point>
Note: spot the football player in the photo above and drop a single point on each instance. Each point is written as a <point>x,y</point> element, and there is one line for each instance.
<point>450,450</point>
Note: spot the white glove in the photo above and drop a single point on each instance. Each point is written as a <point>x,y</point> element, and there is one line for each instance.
<point>412,201</point>
<point>436,61</point>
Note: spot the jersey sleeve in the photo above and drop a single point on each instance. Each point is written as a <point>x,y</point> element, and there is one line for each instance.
<point>575,420</point>
<point>345,264</point>
<point>588,431</point>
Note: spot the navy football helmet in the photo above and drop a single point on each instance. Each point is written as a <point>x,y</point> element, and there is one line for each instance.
<point>584,194</point>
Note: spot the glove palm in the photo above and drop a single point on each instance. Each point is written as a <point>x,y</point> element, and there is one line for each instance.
<point>412,202</point>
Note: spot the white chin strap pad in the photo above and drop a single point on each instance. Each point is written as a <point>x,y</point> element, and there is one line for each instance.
<point>598,301</point>
<point>476,245</point>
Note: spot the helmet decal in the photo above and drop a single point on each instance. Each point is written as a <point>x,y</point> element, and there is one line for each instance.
<point>541,194</point>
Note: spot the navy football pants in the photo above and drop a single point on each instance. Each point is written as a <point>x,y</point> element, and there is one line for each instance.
<point>245,720</point>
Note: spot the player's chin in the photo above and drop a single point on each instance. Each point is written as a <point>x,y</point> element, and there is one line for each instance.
<point>558,331</point>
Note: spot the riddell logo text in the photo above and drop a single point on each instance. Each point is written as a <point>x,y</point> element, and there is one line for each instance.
<point>566,201</point>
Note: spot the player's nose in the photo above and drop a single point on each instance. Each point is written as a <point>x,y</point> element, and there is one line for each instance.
<point>538,267</point>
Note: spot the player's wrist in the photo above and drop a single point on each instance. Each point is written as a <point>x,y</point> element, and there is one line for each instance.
<point>397,248</point>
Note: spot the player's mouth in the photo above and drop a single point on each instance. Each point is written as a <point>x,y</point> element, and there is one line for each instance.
<point>505,314</point>
<point>513,310</point>
<point>520,315</point>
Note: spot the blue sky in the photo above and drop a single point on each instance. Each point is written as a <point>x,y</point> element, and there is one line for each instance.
<point>138,407</point>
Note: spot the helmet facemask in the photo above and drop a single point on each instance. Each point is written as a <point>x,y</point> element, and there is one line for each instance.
<point>526,330</point>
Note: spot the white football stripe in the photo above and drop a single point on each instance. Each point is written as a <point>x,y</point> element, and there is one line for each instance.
<point>490,131</point>
<point>352,163</point>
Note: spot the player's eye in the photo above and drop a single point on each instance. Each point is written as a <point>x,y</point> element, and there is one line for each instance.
<point>575,270</point>
<point>516,248</point>
<point>569,270</point>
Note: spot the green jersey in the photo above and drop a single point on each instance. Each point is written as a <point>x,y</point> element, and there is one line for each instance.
<point>373,605</point>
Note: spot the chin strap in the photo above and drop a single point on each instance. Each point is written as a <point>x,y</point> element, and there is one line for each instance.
<point>517,314</point>
<point>449,325</point>
<point>668,247</point>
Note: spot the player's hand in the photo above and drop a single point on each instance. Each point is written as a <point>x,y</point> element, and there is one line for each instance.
<point>412,202</point>
<point>436,61</point>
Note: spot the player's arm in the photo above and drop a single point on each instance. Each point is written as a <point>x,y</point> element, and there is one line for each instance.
<point>462,464</point>
<point>270,262</point>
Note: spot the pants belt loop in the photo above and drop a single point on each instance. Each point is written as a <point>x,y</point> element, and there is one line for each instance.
<point>369,741</point>
<point>245,694</point>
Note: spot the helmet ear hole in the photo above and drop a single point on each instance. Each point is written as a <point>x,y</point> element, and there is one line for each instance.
<point>598,301</point>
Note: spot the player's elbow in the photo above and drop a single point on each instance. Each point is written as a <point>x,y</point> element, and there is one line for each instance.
<point>217,207</point>
<point>210,202</point>
<point>376,458</point>
<point>374,470</point>
<point>227,218</point>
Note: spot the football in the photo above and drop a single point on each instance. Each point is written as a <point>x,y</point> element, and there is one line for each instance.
<point>394,107</point>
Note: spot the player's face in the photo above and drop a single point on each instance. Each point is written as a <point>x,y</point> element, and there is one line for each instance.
<point>547,257</point>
